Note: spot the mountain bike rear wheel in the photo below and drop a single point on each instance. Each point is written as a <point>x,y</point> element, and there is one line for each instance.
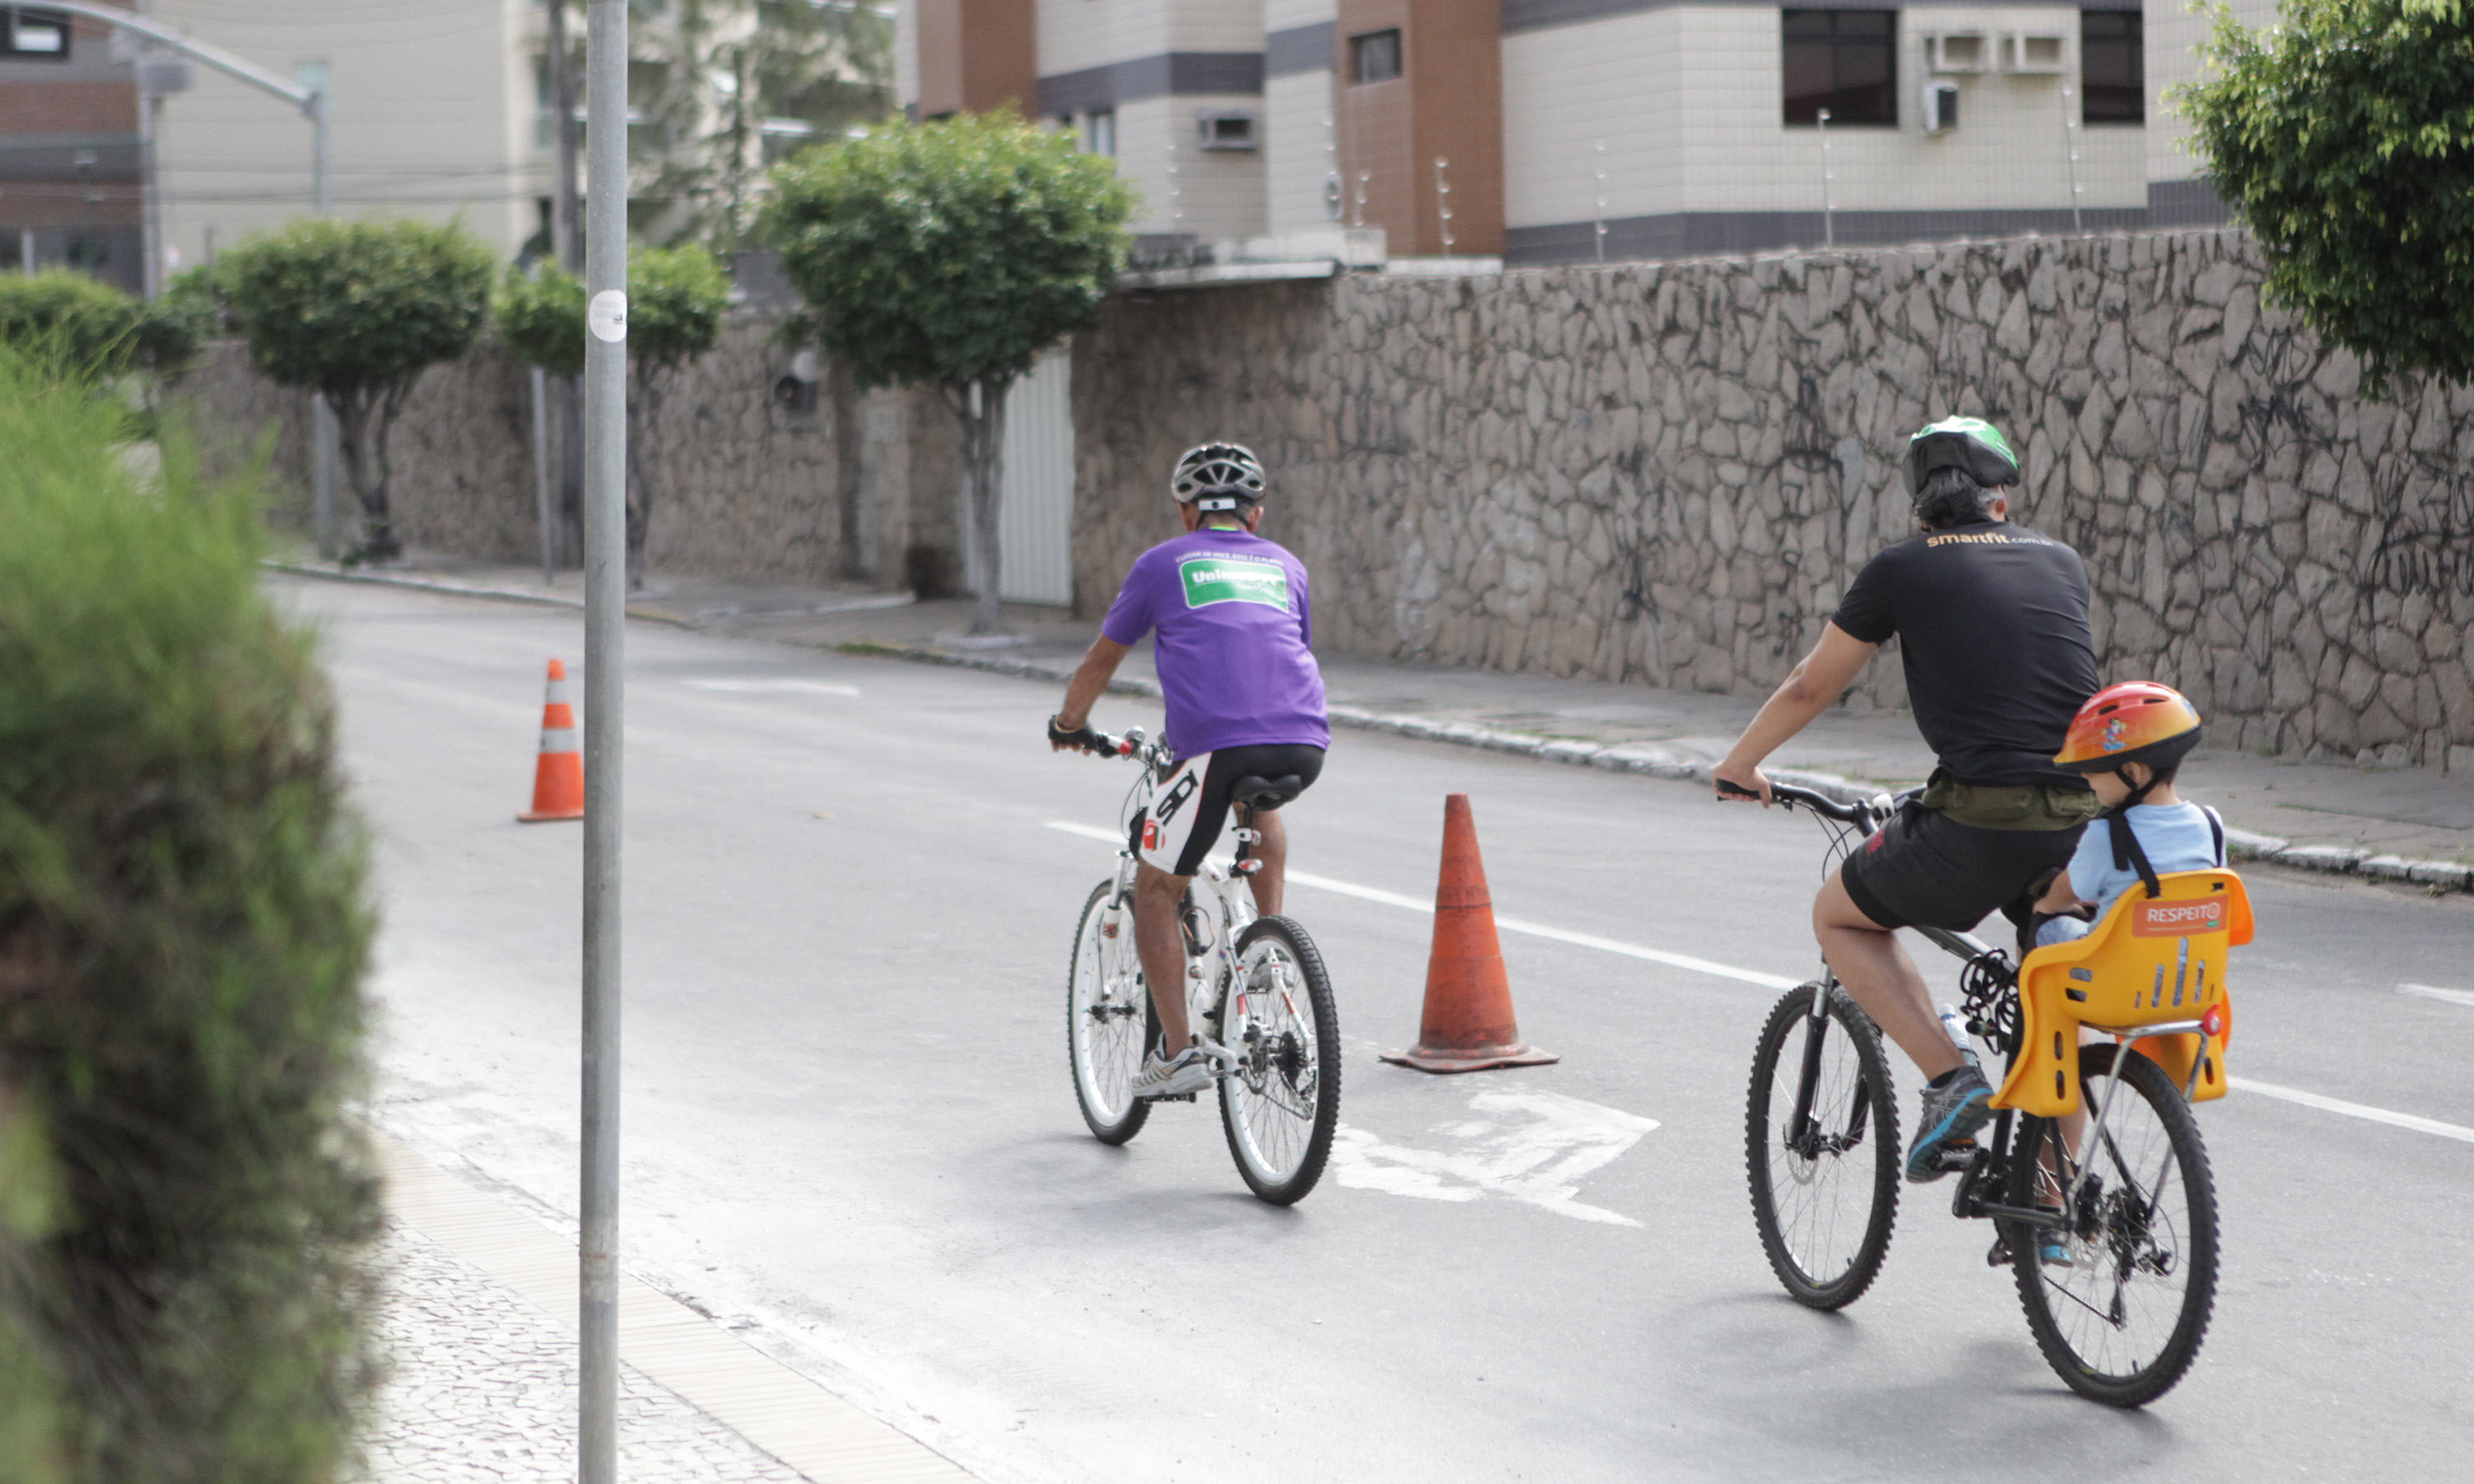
<point>1824,1186</point>
<point>2124,1321</point>
<point>1282,1102</point>
<point>1108,1018</point>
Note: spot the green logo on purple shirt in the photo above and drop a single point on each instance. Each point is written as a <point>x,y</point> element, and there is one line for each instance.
<point>1210,580</point>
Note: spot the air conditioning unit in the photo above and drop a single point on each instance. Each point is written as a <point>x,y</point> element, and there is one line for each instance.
<point>2031,50</point>
<point>1225,129</point>
<point>1937,110</point>
<point>1957,51</point>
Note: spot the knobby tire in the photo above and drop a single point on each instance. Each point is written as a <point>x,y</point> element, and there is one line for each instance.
<point>1827,1245</point>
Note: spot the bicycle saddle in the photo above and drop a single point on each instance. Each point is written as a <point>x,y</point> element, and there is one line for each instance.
<point>1256,792</point>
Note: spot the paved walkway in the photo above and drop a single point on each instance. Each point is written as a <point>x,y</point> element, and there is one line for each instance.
<point>478,1328</point>
<point>2405,824</point>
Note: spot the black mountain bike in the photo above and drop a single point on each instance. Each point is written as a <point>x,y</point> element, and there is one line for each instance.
<point>2107,1219</point>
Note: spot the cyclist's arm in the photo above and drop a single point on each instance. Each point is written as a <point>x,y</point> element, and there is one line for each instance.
<point>1811,688</point>
<point>1090,681</point>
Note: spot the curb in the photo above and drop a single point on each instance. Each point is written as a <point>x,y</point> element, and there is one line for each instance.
<point>1658,762</point>
<point>2438,877</point>
<point>458,589</point>
<point>1641,758</point>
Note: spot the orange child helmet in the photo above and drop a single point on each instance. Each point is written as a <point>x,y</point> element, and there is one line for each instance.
<point>2136,721</point>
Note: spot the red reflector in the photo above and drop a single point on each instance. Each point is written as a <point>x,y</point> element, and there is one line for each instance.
<point>2214,1022</point>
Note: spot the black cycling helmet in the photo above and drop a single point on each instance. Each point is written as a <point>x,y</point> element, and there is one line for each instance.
<point>1967,444</point>
<point>1218,477</point>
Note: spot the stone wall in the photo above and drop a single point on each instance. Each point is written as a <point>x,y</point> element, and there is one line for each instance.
<point>745,486</point>
<point>1666,473</point>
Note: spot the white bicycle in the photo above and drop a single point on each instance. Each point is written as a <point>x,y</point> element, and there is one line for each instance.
<point>1256,996</point>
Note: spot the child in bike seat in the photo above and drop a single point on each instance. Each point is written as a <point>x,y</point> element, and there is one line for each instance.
<point>2129,740</point>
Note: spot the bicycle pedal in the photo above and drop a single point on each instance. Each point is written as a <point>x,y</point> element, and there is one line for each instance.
<point>1998,1256</point>
<point>1166,1097</point>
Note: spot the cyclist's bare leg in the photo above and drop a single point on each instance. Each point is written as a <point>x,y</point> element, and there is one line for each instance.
<point>1272,850</point>
<point>1878,973</point>
<point>1161,944</point>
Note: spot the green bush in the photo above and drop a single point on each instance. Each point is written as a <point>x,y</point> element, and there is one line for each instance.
<point>675,301</point>
<point>2344,138</point>
<point>358,311</point>
<point>183,1206</point>
<point>953,253</point>
<point>540,317</point>
<point>90,331</point>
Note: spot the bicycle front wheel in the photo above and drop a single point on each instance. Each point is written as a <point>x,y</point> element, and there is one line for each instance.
<point>1107,1018</point>
<point>1821,1148</point>
<point>1282,1101</point>
<point>2122,1321</point>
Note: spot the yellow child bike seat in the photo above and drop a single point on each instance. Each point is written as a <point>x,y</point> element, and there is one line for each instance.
<point>2154,971</point>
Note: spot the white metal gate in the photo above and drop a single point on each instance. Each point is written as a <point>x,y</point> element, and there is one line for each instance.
<point>1036,523</point>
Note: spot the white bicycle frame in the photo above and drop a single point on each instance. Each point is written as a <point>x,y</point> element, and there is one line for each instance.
<point>1221,906</point>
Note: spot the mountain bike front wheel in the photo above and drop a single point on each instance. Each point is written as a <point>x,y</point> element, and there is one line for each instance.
<point>2122,1320</point>
<point>1821,1148</point>
<point>1282,1101</point>
<point>1108,1018</point>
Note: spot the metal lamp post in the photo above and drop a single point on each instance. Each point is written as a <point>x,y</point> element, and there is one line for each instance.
<point>605,617</point>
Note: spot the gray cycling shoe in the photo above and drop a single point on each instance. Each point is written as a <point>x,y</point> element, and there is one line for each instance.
<point>1944,1136</point>
<point>1188,1071</point>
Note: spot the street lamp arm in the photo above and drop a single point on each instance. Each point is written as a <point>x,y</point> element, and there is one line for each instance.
<point>305,99</point>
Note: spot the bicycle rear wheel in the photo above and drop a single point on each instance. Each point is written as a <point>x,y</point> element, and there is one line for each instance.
<point>1824,1183</point>
<point>1281,1103</point>
<point>1108,1018</point>
<point>2124,1321</point>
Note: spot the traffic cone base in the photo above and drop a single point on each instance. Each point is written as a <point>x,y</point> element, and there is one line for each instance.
<point>1427,1059</point>
<point>1468,1025</point>
<point>558,773</point>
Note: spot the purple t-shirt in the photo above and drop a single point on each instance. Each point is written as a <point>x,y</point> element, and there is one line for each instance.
<point>1234,625</point>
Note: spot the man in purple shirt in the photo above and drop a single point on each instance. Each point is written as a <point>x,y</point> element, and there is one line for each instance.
<point>1243,698</point>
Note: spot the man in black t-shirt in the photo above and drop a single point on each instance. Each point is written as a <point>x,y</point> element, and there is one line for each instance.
<point>1992,623</point>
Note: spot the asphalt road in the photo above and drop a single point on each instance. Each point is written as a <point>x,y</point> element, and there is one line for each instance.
<point>850,1131</point>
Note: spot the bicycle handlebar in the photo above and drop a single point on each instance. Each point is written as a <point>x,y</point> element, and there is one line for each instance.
<point>1791,796</point>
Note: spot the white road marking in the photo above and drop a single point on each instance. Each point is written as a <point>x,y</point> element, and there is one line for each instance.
<point>1700,966</point>
<point>1532,1147</point>
<point>777,687</point>
<point>2338,1105</point>
<point>2324,1104</point>
<point>2434,991</point>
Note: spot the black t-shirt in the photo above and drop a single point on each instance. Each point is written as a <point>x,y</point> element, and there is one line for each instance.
<point>1992,621</point>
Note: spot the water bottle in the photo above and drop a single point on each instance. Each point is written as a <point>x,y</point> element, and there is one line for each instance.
<point>1957,1029</point>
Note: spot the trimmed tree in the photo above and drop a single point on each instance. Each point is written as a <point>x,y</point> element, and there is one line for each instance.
<point>183,1198</point>
<point>2344,138</point>
<point>953,253</point>
<point>675,301</point>
<point>356,311</point>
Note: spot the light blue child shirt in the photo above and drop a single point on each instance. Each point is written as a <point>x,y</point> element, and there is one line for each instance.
<point>2176,837</point>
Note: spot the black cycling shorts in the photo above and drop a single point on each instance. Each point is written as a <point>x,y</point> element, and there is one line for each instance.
<point>1924,870</point>
<point>1191,807</point>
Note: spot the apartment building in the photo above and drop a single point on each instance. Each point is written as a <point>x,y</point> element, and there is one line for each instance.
<point>71,148</point>
<point>1562,131</point>
<point>435,106</point>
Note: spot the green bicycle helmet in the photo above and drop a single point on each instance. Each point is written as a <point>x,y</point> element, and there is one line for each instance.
<point>1970,445</point>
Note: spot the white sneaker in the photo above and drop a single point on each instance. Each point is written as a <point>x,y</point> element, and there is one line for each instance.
<point>1188,1071</point>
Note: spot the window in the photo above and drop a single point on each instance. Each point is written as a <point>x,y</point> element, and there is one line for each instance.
<point>1374,57</point>
<point>2113,67</point>
<point>1843,61</point>
<point>35,34</point>
<point>1100,132</point>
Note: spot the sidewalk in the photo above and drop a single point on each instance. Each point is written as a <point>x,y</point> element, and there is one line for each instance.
<point>477,1324</point>
<point>2406,826</point>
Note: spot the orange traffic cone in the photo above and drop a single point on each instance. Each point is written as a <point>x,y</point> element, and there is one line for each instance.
<point>558,777</point>
<point>1468,1025</point>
